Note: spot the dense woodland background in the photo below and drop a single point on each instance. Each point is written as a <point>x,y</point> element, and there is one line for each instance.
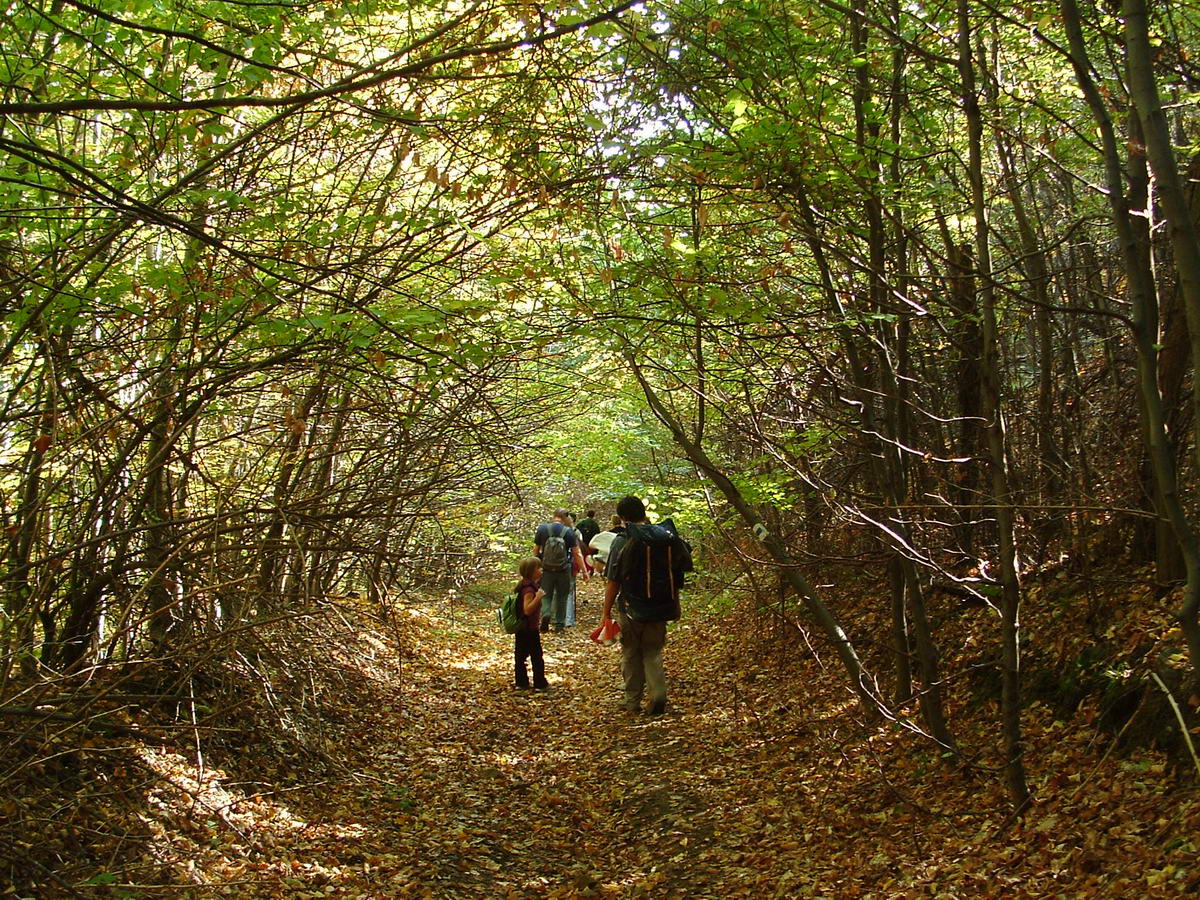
<point>311,311</point>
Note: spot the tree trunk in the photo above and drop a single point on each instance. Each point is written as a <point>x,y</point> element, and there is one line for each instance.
<point>18,601</point>
<point>965,486</point>
<point>162,588</point>
<point>274,550</point>
<point>994,429</point>
<point>901,653</point>
<point>1185,243</point>
<point>1165,319</point>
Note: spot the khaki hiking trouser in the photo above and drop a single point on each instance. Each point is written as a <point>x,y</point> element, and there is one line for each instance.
<point>642,660</point>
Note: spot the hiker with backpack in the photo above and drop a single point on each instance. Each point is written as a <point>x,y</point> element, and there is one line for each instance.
<point>602,542</point>
<point>588,528</point>
<point>576,568</point>
<point>645,570</point>
<point>558,548</point>
<point>527,639</point>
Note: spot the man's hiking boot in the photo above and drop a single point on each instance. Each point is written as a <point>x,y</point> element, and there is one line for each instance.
<point>657,708</point>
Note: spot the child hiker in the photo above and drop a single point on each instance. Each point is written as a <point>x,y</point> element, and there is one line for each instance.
<point>528,638</point>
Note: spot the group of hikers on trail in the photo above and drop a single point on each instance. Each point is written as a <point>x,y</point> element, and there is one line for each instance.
<point>643,567</point>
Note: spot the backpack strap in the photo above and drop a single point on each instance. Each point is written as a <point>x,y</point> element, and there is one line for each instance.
<point>647,546</point>
<point>671,568</point>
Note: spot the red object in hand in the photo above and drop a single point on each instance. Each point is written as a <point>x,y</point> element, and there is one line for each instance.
<point>606,632</point>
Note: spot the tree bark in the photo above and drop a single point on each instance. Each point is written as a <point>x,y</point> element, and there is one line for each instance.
<point>994,429</point>
<point>1185,242</point>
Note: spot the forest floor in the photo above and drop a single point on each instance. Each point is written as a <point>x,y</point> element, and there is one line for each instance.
<point>444,782</point>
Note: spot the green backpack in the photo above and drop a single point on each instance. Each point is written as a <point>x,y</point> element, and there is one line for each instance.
<point>508,613</point>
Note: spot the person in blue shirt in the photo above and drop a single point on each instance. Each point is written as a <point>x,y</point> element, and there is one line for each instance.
<point>556,545</point>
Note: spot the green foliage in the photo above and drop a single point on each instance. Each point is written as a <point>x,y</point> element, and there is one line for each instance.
<point>303,248</point>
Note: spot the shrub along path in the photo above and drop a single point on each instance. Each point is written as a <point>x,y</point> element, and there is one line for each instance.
<point>442,781</point>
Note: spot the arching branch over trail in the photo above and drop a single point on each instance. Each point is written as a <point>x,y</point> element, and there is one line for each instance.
<point>860,680</point>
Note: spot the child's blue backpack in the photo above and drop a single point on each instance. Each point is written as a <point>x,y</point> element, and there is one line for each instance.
<point>508,613</point>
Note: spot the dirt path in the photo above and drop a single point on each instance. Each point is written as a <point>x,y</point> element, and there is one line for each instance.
<point>562,794</point>
<point>758,783</point>
<point>452,784</point>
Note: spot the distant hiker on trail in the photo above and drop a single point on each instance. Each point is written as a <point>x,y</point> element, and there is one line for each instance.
<point>528,637</point>
<point>576,568</point>
<point>558,549</point>
<point>644,573</point>
<point>602,541</point>
<point>588,528</point>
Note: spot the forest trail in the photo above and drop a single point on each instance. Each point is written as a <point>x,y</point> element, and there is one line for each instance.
<point>465,787</point>
<point>445,782</point>
<point>561,794</point>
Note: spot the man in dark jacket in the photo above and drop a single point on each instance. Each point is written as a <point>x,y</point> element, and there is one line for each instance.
<point>642,642</point>
<point>588,528</point>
